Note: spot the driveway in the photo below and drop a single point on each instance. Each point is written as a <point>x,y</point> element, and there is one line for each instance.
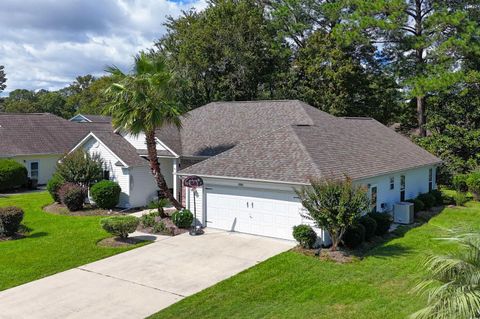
<point>142,281</point>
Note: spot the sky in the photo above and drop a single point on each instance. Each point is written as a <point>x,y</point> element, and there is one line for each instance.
<point>45,44</point>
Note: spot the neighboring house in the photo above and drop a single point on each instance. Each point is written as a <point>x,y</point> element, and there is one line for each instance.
<point>88,118</point>
<point>39,140</point>
<point>252,155</point>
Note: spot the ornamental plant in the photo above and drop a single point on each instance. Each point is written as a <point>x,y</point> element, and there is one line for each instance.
<point>120,226</point>
<point>12,174</point>
<point>333,205</point>
<point>106,194</point>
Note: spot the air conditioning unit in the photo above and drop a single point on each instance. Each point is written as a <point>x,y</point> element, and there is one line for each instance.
<point>403,213</point>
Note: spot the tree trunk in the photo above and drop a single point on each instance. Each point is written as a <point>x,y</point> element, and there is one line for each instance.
<point>156,172</point>
<point>421,119</point>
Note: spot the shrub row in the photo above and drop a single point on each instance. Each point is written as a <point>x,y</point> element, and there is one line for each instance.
<point>366,227</point>
<point>427,200</point>
<point>106,194</point>
<point>10,220</point>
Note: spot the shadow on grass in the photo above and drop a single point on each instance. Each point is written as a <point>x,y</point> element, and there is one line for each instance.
<point>38,234</point>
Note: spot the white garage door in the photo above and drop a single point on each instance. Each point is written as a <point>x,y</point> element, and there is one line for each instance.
<point>253,211</point>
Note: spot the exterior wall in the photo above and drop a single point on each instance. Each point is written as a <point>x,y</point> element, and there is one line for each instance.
<point>416,182</point>
<point>46,165</point>
<point>118,174</point>
<point>143,188</point>
<point>166,165</point>
<point>139,142</point>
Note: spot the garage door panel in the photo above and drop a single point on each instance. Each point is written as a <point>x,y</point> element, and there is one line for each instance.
<point>273,214</point>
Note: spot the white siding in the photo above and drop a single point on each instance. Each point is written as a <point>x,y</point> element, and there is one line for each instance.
<point>46,165</point>
<point>143,188</point>
<point>139,141</point>
<point>117,174</point>
<point>416,182</point>
<point>199,204</point>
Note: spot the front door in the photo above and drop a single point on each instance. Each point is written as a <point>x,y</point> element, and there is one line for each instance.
<point>373,198</point>
<point>33,170</point>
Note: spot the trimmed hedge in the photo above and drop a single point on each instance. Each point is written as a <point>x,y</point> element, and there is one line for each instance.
<point>354,236</point>
<point>106,194</point>
<point>10,219</point>
<point>384,221</point>
<point>120,226</point>
<point>53,186</point>
<point>428,200</point>
<point>12,175</point>
<point>72,196</point>
<point>305,235</point>
<point>438,195</point>
<point>182,218</point>
<point>370,226</point>
<point>418,204</point>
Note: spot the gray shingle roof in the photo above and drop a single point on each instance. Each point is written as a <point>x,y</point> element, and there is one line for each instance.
<point>40,133</point>
<point>331,147</point>
<point>219,126</point>
<point>121,147</point>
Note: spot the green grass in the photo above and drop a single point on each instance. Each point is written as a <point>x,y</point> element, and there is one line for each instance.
<point>55,243</point>
<point>292,285</point>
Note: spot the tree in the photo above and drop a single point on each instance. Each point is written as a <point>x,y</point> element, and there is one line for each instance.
<point>81,168</point>
<point>423,41</point>
<point>141,102</point>
<point>333,205</point>
<point>227,52</point>
<point>453,282</point>
<point>86,94</point>
<point>344,78</point>
<point>3,78</point>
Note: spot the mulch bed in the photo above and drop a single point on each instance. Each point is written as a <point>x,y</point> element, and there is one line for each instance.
<point>339,256</point>
<point>88,210</point>
<point>171,228</point>
<point>119,242</point>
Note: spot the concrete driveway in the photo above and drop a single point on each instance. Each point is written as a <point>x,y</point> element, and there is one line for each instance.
<point>142,281</point>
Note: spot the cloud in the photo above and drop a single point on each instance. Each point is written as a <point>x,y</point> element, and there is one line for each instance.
<point>45,44</point>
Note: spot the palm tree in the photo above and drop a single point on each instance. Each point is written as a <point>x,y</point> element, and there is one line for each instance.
<point>453,282</point>
<point>141,102</point>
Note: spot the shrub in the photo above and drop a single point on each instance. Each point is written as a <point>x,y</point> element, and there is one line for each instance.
<point>305,235</point>
<point>354,235</point>
<point>384,221</point>
<point>438,195</point>
<point>427,199</point>
<point>81,168</point>
<point>460,198</point>
<point>460,182</point>
<point>418,204</point>
<point>53,186</point>
<point>333,205</point>
<point>10,219</point>
<point>370,226</point>
<point>12,174</point>
<point>106,194</point>
<point>120,226</point>
<point>72,196</point>
<point>473,183</point>
<point>160,228</point>
<point>148,220</point>
<point>182,218</point>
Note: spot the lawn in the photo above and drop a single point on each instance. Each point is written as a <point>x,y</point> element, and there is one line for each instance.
<point>292,285</point>
<point>55,243</point>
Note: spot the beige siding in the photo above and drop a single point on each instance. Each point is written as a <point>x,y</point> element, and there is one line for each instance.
<point>46,165</point>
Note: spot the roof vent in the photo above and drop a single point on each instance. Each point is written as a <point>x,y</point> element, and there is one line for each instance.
<point>304,125</point>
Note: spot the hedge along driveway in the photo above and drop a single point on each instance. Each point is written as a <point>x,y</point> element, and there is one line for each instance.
<point>55,242</point>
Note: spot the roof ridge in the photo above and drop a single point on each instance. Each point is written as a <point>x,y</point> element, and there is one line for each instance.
<point>305,150</point>
<point>255,101</point>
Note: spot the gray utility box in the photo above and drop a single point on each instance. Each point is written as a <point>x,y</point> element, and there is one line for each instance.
<point>403,213</point>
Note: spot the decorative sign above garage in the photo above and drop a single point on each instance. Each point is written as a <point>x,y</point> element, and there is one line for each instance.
<point>193,181</point>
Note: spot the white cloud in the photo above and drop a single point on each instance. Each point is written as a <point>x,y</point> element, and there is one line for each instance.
<point>46,44</point>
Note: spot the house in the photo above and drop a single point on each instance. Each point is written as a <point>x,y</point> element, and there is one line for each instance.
<point>39,140</point>
<point>252,155</point>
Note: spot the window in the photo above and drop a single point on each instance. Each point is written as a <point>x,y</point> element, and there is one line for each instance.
<point>430,179</point>
<point>106,174</point>
<point>34,170</point>
<point>402,188</point>
<point>392,182</point>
